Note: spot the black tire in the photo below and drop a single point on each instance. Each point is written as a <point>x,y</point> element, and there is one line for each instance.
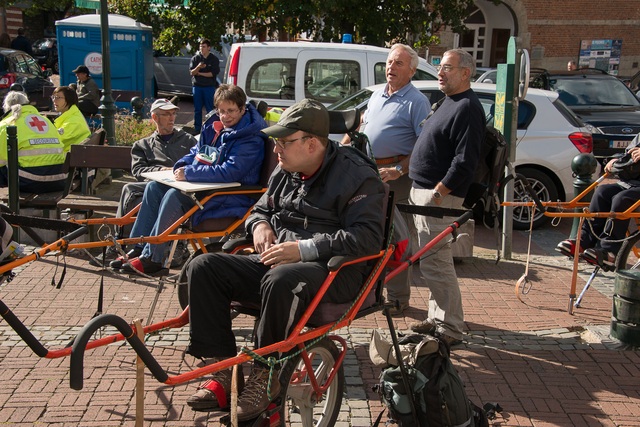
<point>183,289</point>
<point>544,188</point>
<point>298,398</point>
<point>629,255</point>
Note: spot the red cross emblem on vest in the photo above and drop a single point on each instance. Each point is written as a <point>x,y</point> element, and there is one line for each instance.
<point>36,124</point>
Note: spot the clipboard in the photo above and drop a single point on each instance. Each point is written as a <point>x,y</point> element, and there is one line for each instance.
<point>166,177</point>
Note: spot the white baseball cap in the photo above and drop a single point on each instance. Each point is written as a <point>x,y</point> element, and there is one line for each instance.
<point>163,104</point>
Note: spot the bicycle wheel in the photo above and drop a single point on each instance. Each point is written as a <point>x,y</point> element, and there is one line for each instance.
<point>301,406</point>
<point>629,255</point>
<point>183,289</point>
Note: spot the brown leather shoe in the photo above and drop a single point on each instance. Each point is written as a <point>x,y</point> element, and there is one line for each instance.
<point>254,399</point>
<point>215,393</point>
<point>427,326</point>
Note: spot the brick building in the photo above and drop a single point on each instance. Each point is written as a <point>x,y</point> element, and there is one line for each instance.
<point>552,30</point>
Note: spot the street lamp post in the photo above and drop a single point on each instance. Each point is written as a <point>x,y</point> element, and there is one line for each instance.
<point>107,107</point>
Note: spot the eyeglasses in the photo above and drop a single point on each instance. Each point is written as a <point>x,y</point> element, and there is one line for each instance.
<point>446,68</point>
<point>228,112</point>
<point>283,144</point>
<point>53,97</point>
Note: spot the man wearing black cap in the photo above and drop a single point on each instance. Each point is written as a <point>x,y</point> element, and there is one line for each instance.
<point>322,201</point>
<point>87,90</point>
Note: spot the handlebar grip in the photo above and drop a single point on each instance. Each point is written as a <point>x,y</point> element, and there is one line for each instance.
<point>464,217</point>
<point>76,233</point>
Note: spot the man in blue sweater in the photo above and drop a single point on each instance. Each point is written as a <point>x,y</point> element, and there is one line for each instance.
<point>442,167</point>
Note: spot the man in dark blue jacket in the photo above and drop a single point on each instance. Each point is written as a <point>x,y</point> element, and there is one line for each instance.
<point>442,168</point>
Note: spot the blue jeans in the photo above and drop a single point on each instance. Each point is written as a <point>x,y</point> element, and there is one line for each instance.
<point>202,96</point>
<point>161,207</point>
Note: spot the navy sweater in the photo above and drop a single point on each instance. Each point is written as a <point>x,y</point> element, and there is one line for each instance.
<point>448,147</point>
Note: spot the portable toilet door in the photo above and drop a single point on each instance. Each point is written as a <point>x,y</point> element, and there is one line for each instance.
<point>130,43</point>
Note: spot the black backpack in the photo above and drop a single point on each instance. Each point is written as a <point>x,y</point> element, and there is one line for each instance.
<point>483,195</point>
<point>438,392</point>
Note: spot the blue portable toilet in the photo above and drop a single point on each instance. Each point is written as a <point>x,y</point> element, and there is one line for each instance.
<point>80,43</point>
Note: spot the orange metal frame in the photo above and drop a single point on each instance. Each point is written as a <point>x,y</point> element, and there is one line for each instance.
<point>576,208</point>
<point>129,218</point>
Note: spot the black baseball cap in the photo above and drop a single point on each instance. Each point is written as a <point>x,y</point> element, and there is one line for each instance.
<point>81,69</point>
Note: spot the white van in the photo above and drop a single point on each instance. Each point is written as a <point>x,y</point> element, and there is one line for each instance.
<point>282,73</point>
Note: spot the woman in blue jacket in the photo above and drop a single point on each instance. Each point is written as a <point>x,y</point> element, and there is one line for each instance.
<point>230,149</point>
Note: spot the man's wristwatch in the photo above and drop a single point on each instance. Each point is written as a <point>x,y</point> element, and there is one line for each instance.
<point>399,169</point>
<point>437,195</point>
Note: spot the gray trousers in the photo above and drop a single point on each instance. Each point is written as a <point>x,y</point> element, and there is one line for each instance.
<point>437,268</point>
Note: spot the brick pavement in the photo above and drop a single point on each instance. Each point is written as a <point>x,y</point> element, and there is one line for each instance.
<point>544,366</point>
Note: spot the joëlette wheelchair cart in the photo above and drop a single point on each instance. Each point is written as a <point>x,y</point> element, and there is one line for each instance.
<point>311,374</point>
<point>628,257</point>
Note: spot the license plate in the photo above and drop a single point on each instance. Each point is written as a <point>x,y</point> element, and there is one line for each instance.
<point>618,144</point>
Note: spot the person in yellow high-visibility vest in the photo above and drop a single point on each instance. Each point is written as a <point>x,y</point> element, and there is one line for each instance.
<point>71,124</point>
<point>40,151</point>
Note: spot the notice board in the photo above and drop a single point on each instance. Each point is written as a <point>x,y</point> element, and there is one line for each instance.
<point>601,54</point>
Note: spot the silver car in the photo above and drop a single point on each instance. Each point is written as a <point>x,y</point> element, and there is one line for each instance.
<point>549,136</point>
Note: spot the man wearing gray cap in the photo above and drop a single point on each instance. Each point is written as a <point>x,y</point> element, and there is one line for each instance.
<point>159,151</point>
<point>322,201</point>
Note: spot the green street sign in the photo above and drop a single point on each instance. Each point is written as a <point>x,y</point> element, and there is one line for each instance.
<point>88,4</point>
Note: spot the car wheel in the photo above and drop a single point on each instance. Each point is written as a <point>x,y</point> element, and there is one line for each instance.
<point>544,188</point>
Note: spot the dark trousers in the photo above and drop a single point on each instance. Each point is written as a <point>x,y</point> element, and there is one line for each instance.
<point>608,198</point>
<point>283,294</point>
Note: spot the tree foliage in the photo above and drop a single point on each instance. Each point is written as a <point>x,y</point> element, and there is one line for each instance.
<point>376,22</point>
<point>58,8</point>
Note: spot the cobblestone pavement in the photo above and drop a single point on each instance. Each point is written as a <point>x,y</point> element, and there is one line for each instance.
<point>544,366</point>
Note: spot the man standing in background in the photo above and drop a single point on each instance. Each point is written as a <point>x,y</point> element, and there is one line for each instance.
<point>204,67</point>
<point>442,167</point>
<point>22,43</point>
<point>392,122</point>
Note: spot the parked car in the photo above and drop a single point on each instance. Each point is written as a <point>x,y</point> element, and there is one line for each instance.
<point>600,100</point>
<point>549,136</point>
<point>282,73</point>
<point>45,51</point>
<point>171,73</point>
<point>485,73</point>
<point>17,66</point>
<point>489,76</point>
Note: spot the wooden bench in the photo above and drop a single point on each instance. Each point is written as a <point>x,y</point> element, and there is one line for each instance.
<point>49,201</point>
<point>105,197</point>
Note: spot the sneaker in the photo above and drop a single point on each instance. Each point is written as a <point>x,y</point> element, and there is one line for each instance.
<point>215,393</point>
<point>181,255</point>
<point>254,399</point>
<point>568,248</point>
<point>398,310</point>
<point>118,262</point>
<point>603,259</point>
<point>427,326</point>
<point>143,265</point>
<point>110,254</point>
